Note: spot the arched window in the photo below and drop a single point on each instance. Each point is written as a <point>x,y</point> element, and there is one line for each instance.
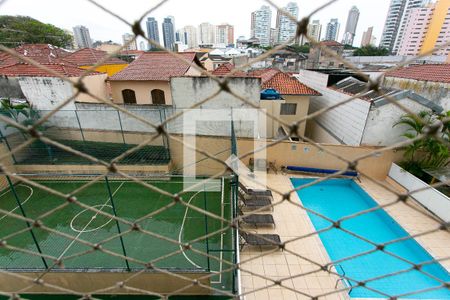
<point>158,97</point>
<point>129,96</point>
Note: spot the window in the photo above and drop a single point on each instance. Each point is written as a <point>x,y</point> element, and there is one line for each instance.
<point>158,97</point>
<point>129,96</point>
<point>288,109</point>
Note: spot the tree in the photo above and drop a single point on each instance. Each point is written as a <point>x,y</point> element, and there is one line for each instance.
<point>370,50</point>
<point>429,151</point>
<point>298,48</point>
<point>17,30</point>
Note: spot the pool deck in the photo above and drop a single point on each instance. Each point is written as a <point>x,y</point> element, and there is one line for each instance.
<point>293,222</point>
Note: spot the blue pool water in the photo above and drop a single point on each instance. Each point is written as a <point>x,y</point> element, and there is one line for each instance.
<point>337,198</point>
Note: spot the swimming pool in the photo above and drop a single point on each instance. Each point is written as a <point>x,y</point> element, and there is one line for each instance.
<point>336,198</point>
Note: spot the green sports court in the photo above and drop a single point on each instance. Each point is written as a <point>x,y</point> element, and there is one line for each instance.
<point>163,225</point>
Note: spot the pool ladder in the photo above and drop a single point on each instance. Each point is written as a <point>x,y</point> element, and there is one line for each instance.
<point>342,278</point>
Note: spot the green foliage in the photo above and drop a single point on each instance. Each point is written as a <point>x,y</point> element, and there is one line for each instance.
<point>370,50</point>
<point>29,115</point>
<point>429,151</point>
<point>299,49</point>
<point>17,30</point>
<point>349,47</point>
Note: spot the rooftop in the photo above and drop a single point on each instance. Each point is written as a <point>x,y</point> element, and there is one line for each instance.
<point>289,85</point>
<point>41,53</point>
<point>157,65</point>
<point>89,57</point>
<point>226,68</point>
<point>284,83</point>
<point>352,86</point>
<point>330,43</point>
<point>23,69</point>
<point>426,72</point>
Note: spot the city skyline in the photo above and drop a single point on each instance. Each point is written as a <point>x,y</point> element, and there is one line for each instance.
<point>104,27</point>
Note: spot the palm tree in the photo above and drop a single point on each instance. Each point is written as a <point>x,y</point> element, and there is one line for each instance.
<point>433,150</point>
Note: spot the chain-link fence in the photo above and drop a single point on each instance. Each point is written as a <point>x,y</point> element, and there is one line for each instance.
<point>122,231</point>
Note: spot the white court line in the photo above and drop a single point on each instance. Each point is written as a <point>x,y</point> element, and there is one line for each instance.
<point>92,219</point>
<point>22,203</point>
<point>181,232</point>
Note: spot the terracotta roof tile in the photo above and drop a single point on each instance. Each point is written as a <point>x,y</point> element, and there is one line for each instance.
<point>264,74</point>
<point>288,85</point>
<point>428,72</point>
<point>41,53</point>
<point>226,68</point>
<point>156,65</point>
<point>23,69</point>
<point>330,43</point>
<point>89,57</point>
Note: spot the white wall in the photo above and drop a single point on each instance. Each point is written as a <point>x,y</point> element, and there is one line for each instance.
<point>187,91</point>
<point>347,121</point>
<point>431,198</point>
<point>46,93</point>
<point>379,129</point>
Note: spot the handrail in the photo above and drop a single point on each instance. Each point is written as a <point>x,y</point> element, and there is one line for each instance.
<point>342,278</point>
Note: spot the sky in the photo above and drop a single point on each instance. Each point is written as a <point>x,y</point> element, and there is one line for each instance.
<point>102,26</point>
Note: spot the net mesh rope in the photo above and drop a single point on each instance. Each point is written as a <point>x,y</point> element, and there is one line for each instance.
<point>110,166</point>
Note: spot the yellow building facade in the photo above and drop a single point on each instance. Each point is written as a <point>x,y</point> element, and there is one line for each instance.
<point>108,69</point>
<point>436,23</point>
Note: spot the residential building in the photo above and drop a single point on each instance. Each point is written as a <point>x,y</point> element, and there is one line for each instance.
<point>225,34</point>
<point>82,37</point>
<point>45,91</point>
<point>293,106</point>
<point>168,33</point>
<point>367,38</point>
<point>320,59</point>
<point>426,28</point>
<point>410,5</point>
<point>315,30</point>
<point>261,21</point>
<point>152,31</point>
<point>286,26</point>
<point>147,79</point>
<point>366,120</point>
<point>438,31</point>
<point>288,60</point>
<point>206,34</point>
<point>273,36</point>
<point>188,35</point>
<point>87,58</point>
<point>431,81</point>
<point>128,38</point>
<point>219,57</point>
<point>350,26</point>
<point>392,23</point>
<point>332,32</point>
<point>109,47</point>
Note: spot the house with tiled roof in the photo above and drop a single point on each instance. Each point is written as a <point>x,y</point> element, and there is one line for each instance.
<point>318,58</point>
<point>147,79</point>
<point>41,53</point>
<point>87,57</point>
<point>429,80</point>
<point>46,88</point>
<point>359,117</point>
<point>295,96</point>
